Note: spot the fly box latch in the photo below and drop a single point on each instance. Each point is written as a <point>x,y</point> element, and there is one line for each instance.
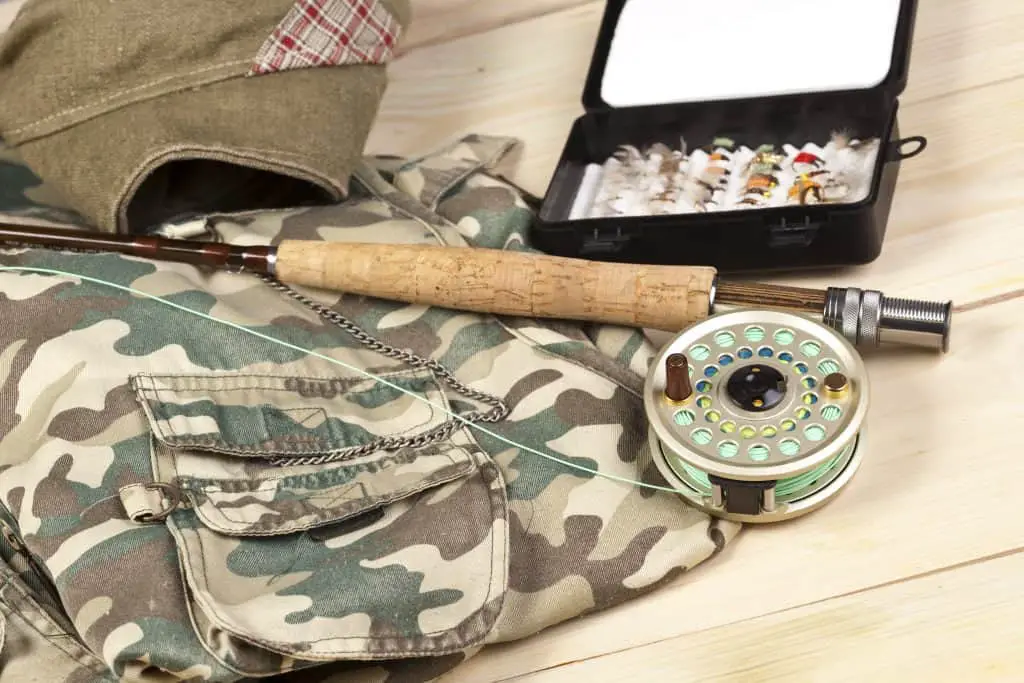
<point>787,232</point>
<point>604,241</point>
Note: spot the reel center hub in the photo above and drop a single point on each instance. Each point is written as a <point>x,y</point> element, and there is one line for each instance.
<point>757,388</point>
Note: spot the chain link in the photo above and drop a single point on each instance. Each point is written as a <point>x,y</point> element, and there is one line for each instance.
<point>498,412</point>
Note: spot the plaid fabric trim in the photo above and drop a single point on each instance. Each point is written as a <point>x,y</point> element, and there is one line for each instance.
<point>329,33</point>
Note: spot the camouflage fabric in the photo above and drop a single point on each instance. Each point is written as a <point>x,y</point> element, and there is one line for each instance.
<point>184,500</point>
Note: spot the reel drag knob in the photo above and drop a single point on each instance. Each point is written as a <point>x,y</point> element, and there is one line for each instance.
<point>756,415</point>
<point>677,378</point>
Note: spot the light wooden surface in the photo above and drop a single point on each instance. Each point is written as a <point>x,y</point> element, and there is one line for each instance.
<point>8,8</point>
<point>915,572</point>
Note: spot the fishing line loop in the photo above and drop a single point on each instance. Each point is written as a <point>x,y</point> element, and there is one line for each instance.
<point>347,366</point>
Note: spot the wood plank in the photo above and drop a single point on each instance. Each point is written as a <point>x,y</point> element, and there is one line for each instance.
<point>939,486</point>
<point>436,21</point>
<point>491,83</point>
<point>8,9</point>
<point>963,44</point>
<point>957,625</point>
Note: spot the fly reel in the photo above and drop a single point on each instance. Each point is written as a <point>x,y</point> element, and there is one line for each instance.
<point>757,416</point>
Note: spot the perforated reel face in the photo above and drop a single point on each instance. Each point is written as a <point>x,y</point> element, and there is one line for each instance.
<point>761,406</point>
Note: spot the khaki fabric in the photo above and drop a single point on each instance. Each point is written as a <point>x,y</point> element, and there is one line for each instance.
<point>157,106</point>
<point>203,505</point>
<point>34,648</point>
<point>187,500</point>
<point>36,641</point>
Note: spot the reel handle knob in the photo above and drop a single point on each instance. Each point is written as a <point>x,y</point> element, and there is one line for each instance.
<point>677,378</point>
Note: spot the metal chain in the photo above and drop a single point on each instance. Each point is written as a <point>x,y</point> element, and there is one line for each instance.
<point>497,413</point>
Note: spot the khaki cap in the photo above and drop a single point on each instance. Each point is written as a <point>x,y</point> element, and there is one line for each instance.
<point>141,113</point>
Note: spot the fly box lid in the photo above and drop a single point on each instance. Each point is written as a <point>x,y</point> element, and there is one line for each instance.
<point>739,134</point>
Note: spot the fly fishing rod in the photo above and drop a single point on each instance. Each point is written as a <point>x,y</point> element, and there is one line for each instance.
<point>667,298</point>
<point>755,413</point>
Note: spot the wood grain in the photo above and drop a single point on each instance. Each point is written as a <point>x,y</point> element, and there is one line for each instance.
<point>504,282</point>
<point>8,9</point>
<point>754,294</point>
<point>436,21</point>
<point>911,509</point>
<point>961,624</point>
<point>938,488</point>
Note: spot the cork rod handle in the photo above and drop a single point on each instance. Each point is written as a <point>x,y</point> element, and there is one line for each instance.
<point>504,282</point>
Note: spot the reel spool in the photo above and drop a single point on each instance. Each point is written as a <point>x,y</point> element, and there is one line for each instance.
<point>757,416</point>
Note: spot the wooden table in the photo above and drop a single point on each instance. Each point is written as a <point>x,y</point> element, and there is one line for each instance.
<point>916,572</point>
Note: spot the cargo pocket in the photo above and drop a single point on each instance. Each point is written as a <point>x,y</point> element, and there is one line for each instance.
<point>324,518</point>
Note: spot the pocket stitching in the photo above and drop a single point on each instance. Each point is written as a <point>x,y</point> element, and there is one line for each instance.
<point>217,485</point>
<point>217,445</point>
<point>184,440</point>
<point>464,632</point>
<point>334,514</point>
<point>433,651</point>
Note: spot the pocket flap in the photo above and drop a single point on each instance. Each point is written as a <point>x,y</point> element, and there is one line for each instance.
<point>264,415</point>
<point>287,504</point>
<point>370,443</point>
<point>325,518</point>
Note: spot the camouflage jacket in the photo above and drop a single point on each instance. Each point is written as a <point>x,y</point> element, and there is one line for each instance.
<point>183,499</point>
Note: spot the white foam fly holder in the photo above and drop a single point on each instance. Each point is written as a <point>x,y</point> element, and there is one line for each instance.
<point>667,51</point>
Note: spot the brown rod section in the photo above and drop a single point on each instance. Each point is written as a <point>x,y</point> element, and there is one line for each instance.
<point>257,259</point>
<point>771,296</point>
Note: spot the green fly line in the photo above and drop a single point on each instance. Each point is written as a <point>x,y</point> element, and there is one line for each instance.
<point>784,487</point>
<point>335,361</point>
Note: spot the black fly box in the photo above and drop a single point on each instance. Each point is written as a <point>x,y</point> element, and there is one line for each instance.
<point>740,134</point>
